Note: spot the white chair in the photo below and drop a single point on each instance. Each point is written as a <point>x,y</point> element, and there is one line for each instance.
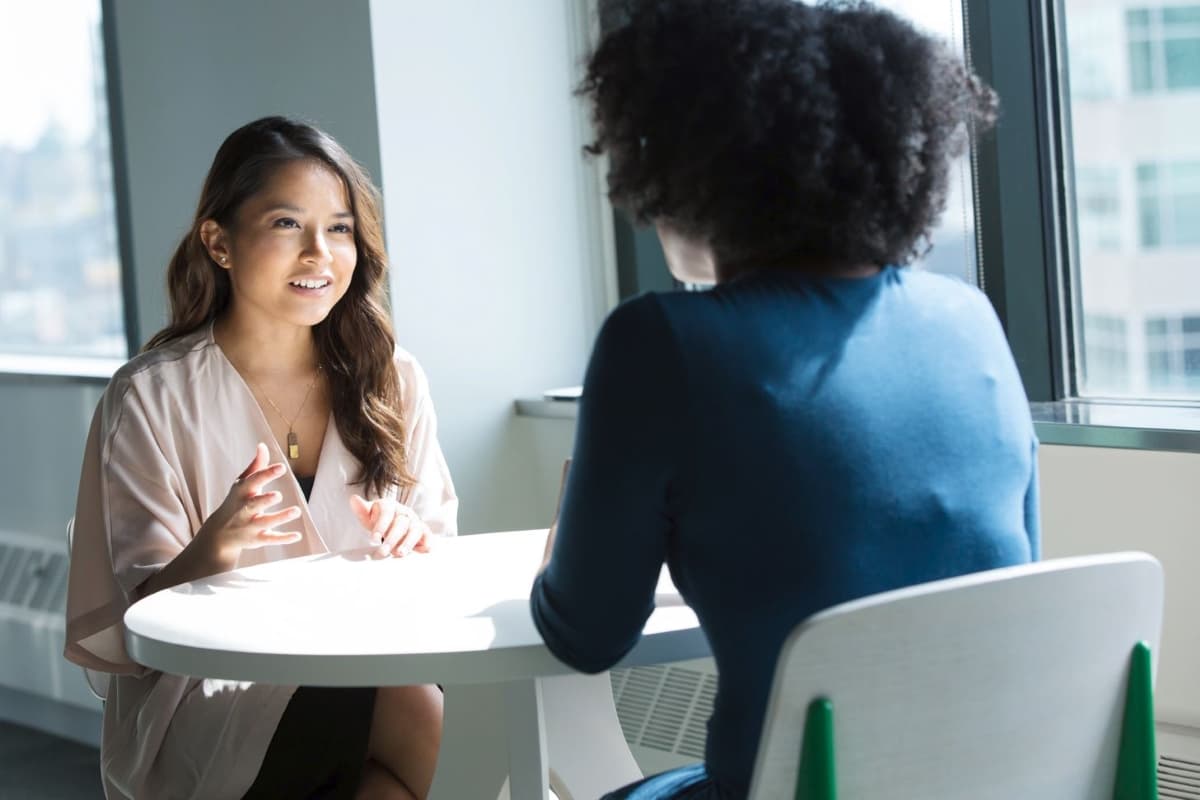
<point>1024,682</point>
<point>97,681</point>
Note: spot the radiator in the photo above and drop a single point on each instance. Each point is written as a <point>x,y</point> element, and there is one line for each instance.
<point>33,593</point>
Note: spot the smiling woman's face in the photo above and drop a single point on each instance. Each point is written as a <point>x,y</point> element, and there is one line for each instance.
<point>291,252</point>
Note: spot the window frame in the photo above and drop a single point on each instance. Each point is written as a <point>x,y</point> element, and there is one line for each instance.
<point>1028,236</point>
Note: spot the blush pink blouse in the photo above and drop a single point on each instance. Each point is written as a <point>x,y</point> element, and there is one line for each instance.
<point>173,430</point>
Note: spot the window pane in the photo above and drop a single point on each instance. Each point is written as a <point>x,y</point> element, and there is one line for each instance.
<point>1182,63</point>
<point>954,251</point>
<point>58,245</point>
<point>1141,71</point>
<point>1135,159</point>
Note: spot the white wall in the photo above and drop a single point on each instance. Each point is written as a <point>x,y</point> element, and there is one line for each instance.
<point>1100,500</point>
<point>493,230</point>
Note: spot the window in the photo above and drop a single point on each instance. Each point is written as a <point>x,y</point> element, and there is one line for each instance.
<point>1135,282</point>
<point>59,258</point>
<point>1173,354</point>
<point>642,267</point>
<point>1106,354</point>
<point>953,249</point>
<point>1098,198</point>
<point>1169,204</point>
<point>1095,35</point>
<point>1164,48</point>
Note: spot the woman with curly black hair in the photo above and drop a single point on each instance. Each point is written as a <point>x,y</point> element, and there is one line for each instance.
<point>823,424</point>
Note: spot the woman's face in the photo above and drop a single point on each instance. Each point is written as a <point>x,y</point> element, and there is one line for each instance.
<point>291,252</point>
<point>690,261</point>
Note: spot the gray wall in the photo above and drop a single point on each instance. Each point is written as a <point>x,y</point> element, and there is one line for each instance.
<point>193,72</point>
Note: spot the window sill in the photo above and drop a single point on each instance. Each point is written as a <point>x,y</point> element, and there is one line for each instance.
<point>1079,423</point>
<point>58,368</point>
<point>1127,425</point>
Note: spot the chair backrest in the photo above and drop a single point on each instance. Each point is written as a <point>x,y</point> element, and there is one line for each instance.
<point>1003,684</point>
<point>97,681</point>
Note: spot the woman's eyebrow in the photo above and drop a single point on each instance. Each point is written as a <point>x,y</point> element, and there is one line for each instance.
<point>298,210</point>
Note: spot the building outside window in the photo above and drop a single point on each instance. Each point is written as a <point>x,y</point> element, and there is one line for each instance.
<point>1173,353</point>
<point>1106,355</point>
<point>1135,162</point>
<point>59,262</point>
<point>1164,48</point>
<point>1169,204</point>
<point>1098,196</point>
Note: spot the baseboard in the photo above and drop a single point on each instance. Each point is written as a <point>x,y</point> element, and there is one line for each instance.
<point>51,716</point>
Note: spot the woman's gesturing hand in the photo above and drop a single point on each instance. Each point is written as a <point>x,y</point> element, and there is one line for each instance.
<point>395,527</point>
<point>242,521</point>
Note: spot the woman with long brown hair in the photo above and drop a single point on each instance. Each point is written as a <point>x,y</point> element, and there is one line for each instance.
<point>273,417</point>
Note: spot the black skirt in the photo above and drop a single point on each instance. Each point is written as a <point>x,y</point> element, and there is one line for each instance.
<point>319,749</point>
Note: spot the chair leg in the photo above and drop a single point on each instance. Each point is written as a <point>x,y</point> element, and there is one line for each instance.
<point>817,778</point>
<point>1137,776</point>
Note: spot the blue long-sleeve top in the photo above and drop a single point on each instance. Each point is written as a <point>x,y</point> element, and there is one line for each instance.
<point>784,443</point>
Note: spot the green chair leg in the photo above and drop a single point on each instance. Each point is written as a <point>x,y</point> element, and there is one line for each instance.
<point>1137,762</point>
<point>817,779</point>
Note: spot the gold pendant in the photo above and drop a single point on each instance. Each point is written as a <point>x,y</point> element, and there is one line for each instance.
<point>293,446</point>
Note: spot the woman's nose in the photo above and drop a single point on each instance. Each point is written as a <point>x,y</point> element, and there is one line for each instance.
<point>317,249</point>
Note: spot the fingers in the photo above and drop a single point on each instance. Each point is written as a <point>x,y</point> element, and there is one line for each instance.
<point>257,463</point>
<point>270,537</point>
<point>416,533</point>
<point>259,503</point>
<point>424,540</point>
<point>362,509</point>
<point>265,521</point>
<point>388,528</point>
<point>253,483</point>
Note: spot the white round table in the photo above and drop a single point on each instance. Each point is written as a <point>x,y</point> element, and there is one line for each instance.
<point>458,616</point>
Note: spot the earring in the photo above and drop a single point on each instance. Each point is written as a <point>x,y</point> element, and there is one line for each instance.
<point>224,260</point>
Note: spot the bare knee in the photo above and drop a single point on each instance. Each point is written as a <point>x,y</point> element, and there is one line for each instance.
<point>406,732</point>
<point>378,783</point>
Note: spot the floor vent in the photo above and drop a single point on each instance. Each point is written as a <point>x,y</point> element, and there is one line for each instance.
<point>1178,779</point>
<point>665,708</point>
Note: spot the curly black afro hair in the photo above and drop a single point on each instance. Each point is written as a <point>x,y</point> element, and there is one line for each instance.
<point>783,134</point>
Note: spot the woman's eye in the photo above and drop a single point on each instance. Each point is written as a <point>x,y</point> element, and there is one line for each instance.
<point>341,227</point>
<point>286,222</point>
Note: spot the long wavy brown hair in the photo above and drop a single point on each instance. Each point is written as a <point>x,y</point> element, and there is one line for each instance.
<point>355,343</point>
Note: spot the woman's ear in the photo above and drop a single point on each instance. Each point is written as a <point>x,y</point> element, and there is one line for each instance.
<point>215,242</point>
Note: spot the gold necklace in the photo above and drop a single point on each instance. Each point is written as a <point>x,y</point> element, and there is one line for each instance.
<point>293,441</point>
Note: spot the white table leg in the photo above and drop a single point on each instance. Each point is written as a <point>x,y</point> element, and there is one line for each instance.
<point>526,740</point>
<point>567,723</point>
<point>587,749</point>
<point>473,761</point>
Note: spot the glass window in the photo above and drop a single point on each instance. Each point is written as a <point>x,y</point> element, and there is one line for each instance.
<point>953,249</point>
<point>1164,48</point>
<point>1106,355</point>
<point>1135,161</point>
<point>1098,197</point>
<point>58,244</point>
<point>1169,204</point>
<point>1173,354</point>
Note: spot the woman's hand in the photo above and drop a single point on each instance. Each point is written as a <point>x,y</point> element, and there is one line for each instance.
<point>237,524</point>
<point>242,521</point>
<point>395,527</point>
